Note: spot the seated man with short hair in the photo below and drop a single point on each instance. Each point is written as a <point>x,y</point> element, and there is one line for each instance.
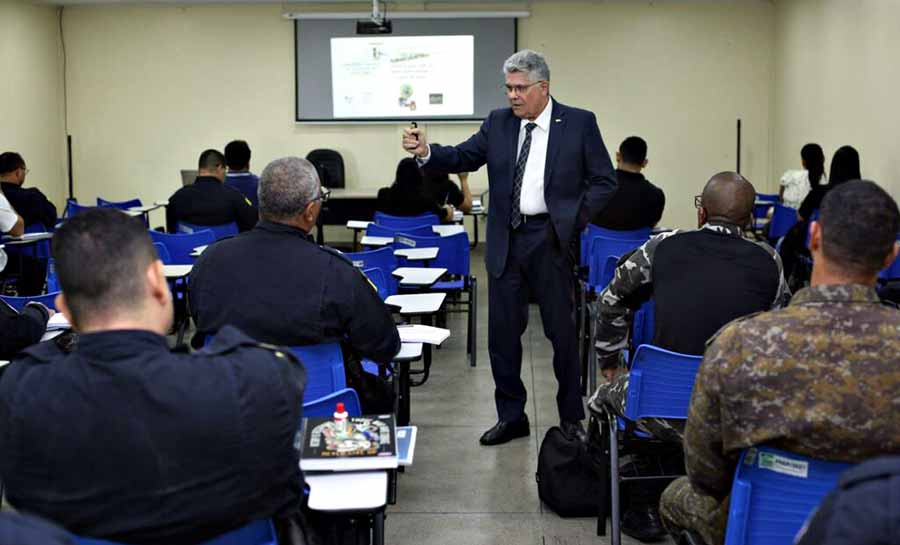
<point>125,440</point>
<point>239,177</point>
<point>699,281</point>
<point>279,286</point>
<point>637,203</point>
<point>208,201</point>
<point>818,378</point>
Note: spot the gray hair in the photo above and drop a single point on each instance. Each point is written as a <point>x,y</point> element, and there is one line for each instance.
<point>286,186</point>
<point>531,63</point>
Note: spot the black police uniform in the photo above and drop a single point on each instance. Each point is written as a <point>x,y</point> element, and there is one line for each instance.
<point>125,440</point>
<point>209,202</point>
<point>21,329</point>
<point>16,529</point>
<point>276,284</point>
<point>31,204</point>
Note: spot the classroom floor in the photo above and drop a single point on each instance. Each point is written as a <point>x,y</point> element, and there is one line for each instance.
<point>458,491</point>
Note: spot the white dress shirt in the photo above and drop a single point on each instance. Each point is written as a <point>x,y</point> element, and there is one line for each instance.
<point>8,219</point>
<point>531,200</point>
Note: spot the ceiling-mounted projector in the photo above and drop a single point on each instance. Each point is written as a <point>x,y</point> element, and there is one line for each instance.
<point>382,26</point>
<point>378,24</point>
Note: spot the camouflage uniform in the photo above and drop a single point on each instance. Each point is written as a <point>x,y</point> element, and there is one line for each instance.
<point>818,378</point>
<point>627,291</point>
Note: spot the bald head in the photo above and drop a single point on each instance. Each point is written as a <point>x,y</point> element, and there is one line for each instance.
<point>728,197</point>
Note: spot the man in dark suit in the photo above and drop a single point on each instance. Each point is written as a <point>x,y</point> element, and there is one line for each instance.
<point>549,172</point>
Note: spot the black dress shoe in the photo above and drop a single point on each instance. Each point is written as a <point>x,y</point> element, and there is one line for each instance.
<point>503,432</point>
<point>643,524</point>
<point>573,430</point>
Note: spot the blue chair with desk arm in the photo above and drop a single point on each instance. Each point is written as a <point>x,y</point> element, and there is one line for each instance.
<point>660,386</point>
<point>121,205</point>
<point>19,303</point>
<point>180,246</point>
<point>406,222</point>
<point>218,231</point>
<point>453,255</point>
<point>260,532</point>
<point>773,494</point>
<point>382,259</point>
<point>375,230</point>
<point>73,208</point>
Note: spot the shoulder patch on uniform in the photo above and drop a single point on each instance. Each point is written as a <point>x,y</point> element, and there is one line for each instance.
<point>246,200</point>
<point>732,322</point>
<point>337,253</point>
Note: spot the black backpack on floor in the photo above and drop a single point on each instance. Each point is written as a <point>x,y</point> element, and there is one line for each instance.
<point>571,480</point>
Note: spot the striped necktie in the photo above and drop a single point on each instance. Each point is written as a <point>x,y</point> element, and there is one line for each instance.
<point>515,216</point>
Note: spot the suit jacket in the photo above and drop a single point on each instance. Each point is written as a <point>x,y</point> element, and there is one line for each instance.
<point>578,177</point>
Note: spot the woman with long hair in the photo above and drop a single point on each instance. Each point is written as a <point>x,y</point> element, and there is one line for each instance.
<point>407,196</point>
<point>796,184</point>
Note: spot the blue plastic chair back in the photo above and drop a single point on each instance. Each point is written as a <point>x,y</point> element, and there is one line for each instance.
<point>73,208</point>
<point>324,406</point>
<point>773,494</point>
<point>52,279</point>
<point>607,273</point>
<point>163,253</point>
<point>19,303</point>
<point>375,230</point>
<point>642,328</point>
<point>767,197</point>
<point>219,231</point>
<point>587,236</point>
<point>376,276</point>
<point>783,218</point>
<point>603,247</point>
<point>892,272</point>
<point>121,205</point>
<point>453,250</point>
<point>324,365</point>
<point>406,222</point>
<point>260,532</point>
<point>382,258</point>
<point>660,383</point>
<point>180,246</point>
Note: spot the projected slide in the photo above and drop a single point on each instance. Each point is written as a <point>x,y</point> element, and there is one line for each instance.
<point>405,77</point>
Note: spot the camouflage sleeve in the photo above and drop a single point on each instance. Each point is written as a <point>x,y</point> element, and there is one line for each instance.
<point>707,466</point>
<point>783,295</point>
<point>619,299</point>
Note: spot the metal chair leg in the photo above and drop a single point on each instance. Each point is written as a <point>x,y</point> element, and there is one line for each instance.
<point>473,320</point>
<point>592,353</point>
<point>615,508</point>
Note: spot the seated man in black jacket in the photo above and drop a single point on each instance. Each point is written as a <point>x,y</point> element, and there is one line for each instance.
<point>208,201</point>
<point>637,202</point>
<point>29,202</point>
<point>279,286</point>
<point>125,440</point>
<point>19,330</point>
<point>34,208</point>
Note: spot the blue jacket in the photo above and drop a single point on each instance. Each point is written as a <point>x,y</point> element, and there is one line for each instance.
<point>578,178</point>
<point>863,510</point>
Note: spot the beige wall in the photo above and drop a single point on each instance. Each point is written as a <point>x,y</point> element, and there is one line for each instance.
<point>150,87</point>
<point>31,106</point>
<point>836,83</point>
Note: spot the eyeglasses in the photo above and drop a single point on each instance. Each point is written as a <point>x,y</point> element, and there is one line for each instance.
<point>698,201</point>
<point>26,170</point>
<point>324,193</point>
<point>519,89</point>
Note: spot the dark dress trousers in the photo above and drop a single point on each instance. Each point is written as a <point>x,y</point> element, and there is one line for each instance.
<point>536,258</point>
<point>127,441</point>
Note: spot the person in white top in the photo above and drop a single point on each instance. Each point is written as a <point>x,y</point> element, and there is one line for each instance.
<point>11,223</point>
<point>796,184</point>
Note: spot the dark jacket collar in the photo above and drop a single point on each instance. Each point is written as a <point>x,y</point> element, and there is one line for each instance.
<point>105,345</point>
<point>836,293</point>
<point>281,228</point>
<point>207,180</point>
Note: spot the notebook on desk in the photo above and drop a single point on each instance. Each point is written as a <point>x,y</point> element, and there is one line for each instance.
<point>369,443</point>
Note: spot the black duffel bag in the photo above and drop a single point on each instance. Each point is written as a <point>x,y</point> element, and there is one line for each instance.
<point>572,480</point>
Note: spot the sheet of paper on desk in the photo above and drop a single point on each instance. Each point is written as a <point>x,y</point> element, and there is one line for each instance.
<point>457,215</point>
<point>417,333</point>
<point>58,321</point>
<point>30,236</point>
